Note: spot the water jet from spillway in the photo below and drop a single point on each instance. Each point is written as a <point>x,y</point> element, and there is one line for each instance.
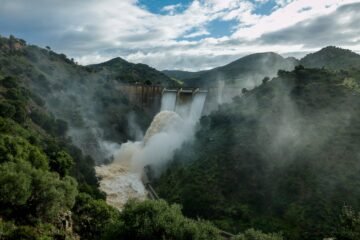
<point>162,122</point>
<point>168,100</point>
<point>121,180</point>
<point>117,181</point>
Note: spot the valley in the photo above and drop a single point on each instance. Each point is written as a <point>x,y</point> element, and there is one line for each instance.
<point>265,147</point>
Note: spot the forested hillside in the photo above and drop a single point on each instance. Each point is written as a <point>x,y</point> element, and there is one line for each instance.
<point>48,187</point>
<point>332,58</point>
<point>179,120</point>
<point>250,70</point>
<point>284,157</point>
<point>86,97</point>
<point>281,158</point>
<point>245,72</point>
<point>126,72</point>
<point>41,174</point>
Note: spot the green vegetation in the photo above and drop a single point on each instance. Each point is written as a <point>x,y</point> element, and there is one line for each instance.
<point>93,217</point>
<point>252,234</point>
<point>244,72</point>
<point>249,69</point>
<point>85,97</point>
<point>41,173</point>
<point>349,227</point>
<point>282,158</point>
<point>332,58</point>
<point>48,188</point>
<point>126,72</point>
<point>33,195</point>
<point>158,220</point>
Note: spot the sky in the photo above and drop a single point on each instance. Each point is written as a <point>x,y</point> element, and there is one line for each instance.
<point>182,34</point>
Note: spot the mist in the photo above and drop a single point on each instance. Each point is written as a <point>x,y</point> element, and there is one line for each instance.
<point>97,112</point>
<point>168,131</point>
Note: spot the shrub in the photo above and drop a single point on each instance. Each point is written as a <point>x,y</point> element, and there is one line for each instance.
<point>17,149</point>
<point>61,162</point>
<point>252,234</point>
<point>7,110</point>
<point>15,183</point>
<point>93,217</point>
<point>158,220</point>
<point>10,82</point>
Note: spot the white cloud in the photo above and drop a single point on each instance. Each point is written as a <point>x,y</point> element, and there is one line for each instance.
<point>171,9</point>
<point>93,31</point>
<point>199,32</point>
<point>289,16</point>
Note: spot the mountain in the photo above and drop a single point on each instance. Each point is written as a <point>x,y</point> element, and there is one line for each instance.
<point>332,58</point>
<point>42,174</point>
<point>127,72</point>
<point>48,187</point>
<point>283,157</point>
<point>245,72</point>
<point>178,74</point>
<point>87,97</point>
<point>249,71</point>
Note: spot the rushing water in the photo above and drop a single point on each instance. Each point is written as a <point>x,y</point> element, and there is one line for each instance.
<point>118,181</point>
<point>121,180</point>
<point>168,101</point>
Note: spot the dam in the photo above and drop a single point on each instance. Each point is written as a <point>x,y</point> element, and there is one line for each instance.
<point>155,98</point>
<point>185,102</point>
<point>135,163</point>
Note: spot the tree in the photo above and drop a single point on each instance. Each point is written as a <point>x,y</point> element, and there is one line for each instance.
<point>10,82</point>
<point>252,234</point>
<point>158,220</point>
<point>17,149</point>
<point>20,115</point>
<point>61,162</point>
<point>299,68</point>
<point>61,127</point>
<point>349,228</point>
<point>38,100</point>
<point>15,183</point>
<point>92,217</point>
<point>30,192</point>
<point>265,80</point>
<point>51,195</point>
<point>6,229</point>
<point>7,110</point>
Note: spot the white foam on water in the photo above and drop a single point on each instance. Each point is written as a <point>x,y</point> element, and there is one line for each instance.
<point>121,180</point>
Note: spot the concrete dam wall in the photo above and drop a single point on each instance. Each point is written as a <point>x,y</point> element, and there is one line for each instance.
<point>154,98</point>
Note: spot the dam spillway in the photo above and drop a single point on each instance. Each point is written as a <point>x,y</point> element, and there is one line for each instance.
<point>178,111</point>
<point>168,100</point>
<point>155,98</point>
<point>185,102</point>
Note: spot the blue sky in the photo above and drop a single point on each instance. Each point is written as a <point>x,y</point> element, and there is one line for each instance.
<point>182,34</point>
<point>217,28</point>
<point>156,6</point>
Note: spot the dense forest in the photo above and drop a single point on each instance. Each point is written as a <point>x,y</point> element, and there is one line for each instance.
<point>48,187</point>
<point>42,175</point>
<point>281,161</point>
<point>86,97</point>
<point>284,157</point>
